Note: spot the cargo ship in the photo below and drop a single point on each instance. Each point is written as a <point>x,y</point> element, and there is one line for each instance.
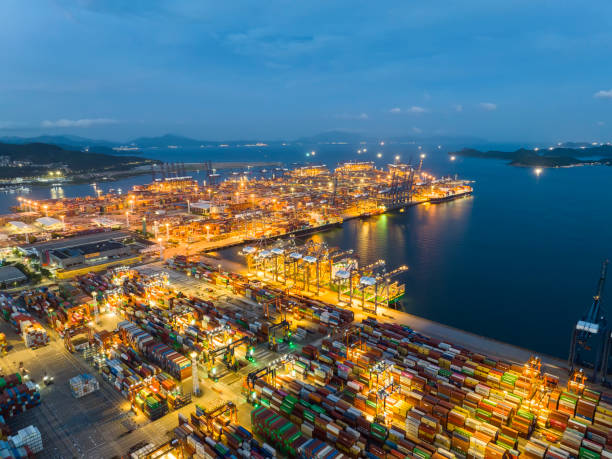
<point>451,197</point>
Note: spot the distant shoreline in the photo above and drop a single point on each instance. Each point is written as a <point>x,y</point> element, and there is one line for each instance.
<point>111,176</point>
<point>548,158</point>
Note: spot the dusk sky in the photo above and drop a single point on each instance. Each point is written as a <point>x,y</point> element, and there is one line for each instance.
<point>533,70</point>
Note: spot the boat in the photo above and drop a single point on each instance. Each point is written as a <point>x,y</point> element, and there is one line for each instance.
<point>450,197</point>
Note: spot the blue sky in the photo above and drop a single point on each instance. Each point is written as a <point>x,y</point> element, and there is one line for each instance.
<point>509,71</point>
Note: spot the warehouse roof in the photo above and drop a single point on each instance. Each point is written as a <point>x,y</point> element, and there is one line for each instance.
<point>11,274</point>
<point>48,221</point>
<point>76,241</point>
<point>19,225</point>
<point>87,249</point>
<point>204,205</point>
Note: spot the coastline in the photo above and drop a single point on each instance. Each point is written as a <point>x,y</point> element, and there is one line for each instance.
<point>487,345</point>
<point>111,176</point>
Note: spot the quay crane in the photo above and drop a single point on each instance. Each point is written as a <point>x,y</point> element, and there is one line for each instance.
<point>592,332</point>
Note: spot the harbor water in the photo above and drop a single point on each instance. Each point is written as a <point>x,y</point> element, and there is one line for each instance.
<point>518,261</point>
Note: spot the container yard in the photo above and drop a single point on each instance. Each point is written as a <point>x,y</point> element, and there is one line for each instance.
<point>179,215</point>
<point>254,367</point>
<point>301,356</point>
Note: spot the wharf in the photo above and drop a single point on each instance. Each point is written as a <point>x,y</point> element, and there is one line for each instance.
<point>234,241</point>
<point>477,343</point>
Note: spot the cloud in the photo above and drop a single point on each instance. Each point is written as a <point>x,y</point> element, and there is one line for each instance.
<point>353,116</point>
<point>417,130</point>
<point>415,109</point>
<point>267,43</point>
<point>83,122</point>
<point>603,94</point>
<point>458,107</point>
<point>488,106</point>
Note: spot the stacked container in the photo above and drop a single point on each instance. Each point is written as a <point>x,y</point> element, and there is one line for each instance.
<point>18,399</point>
<point>34,335</point>
<point>174,363</point>
<point>8,451</point>
<point>30,437</point>
<point>82,385</point>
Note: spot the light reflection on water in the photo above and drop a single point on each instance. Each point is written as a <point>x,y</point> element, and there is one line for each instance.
<point>56,192</point>
<point>518,261</point>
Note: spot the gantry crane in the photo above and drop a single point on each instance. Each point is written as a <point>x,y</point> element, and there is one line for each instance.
<point>268,372</point>
<point>210,335</point>
<point>592,332</point>
<point>209,417</point>
<point>385,281</point>
<point>355,333</point>
<point>228,353</point>
<point>272,341</point>
<point>389,388</point>
<point>70,333</point>
<point>577,381</point>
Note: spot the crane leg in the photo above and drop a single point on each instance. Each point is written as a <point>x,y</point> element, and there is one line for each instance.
<point>605,356</point>
<point>572,354</point>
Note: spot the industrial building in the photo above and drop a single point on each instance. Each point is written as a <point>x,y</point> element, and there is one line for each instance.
<point>87,253</point>
<point>10,275</point>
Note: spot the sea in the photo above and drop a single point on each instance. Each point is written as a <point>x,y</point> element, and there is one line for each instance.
<point>518,261</point>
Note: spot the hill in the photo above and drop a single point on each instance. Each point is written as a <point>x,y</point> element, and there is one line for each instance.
<point>555,157</point>
<point>35,159</point>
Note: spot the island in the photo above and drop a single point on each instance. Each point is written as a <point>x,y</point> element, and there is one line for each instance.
<point>561,156</point>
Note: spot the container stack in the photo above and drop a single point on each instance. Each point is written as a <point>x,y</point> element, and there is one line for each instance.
<point>11,380</point>
<point>288,437</point>
<point>174,363</point>
<point>34,335</point>
<point>233,440</point>
<point>82,385</point>
<point>154,406</point>
<point>143,452</point>
<point>29,437</point>
<point>445,401</point>
<point>18,399</point>
<point>7,451</point>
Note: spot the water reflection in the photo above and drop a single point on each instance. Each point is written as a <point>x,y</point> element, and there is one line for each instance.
<point>57,192</point>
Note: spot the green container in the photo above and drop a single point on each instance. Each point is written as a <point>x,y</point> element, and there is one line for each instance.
<point>587,454</point>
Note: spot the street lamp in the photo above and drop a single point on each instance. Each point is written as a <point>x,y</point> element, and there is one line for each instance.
<point>188,207</point>
<point>194,373</point>
<point>207,232</point>
<point>63,223</point>
<point>161,249</point>
<point>46,212</point>
<point>167,231</point>
<point>127,219</point>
